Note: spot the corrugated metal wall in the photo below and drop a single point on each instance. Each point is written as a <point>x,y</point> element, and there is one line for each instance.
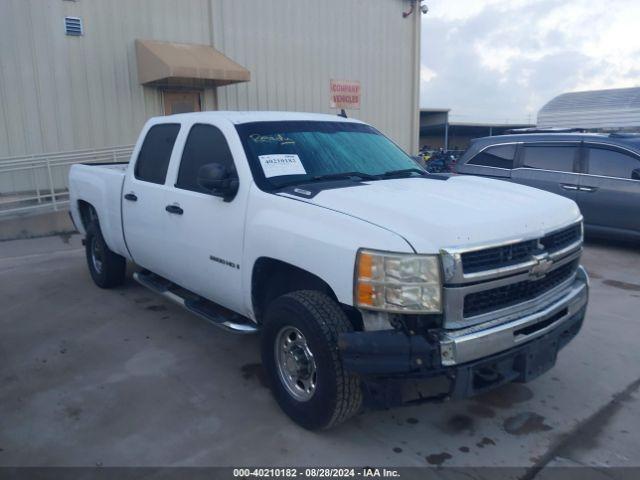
<point>622,118</point>
<point>61,93</point>
<point>293,48</point>
<point>615,108</point>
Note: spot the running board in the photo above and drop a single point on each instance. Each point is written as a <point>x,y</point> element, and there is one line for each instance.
<point>211,312</point>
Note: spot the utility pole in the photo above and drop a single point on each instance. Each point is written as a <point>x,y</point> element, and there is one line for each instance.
<point>446,134</point>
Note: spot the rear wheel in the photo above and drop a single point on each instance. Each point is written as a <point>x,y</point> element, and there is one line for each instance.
<point>107,268</point>
<point>300,354</point>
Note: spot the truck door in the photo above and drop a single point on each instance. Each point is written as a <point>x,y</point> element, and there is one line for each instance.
<point>609,194</point>
<point>549,166</point>
<point>206,232</point>
<point>143,204</point>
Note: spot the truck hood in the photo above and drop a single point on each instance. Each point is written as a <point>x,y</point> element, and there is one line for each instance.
<point>432,214</point>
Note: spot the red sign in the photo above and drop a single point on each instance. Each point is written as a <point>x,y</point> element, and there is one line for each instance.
<point>345,94</point>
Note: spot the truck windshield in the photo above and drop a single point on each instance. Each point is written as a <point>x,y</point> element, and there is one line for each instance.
<point>291,152</point>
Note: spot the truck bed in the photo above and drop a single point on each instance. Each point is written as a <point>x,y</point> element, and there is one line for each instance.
<point>101,186</point>
<point>118,166</point>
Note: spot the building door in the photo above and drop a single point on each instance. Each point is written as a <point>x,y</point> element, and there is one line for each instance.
<point>181,102</point>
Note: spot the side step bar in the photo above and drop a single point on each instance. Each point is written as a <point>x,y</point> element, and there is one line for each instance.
<point>215,314</point>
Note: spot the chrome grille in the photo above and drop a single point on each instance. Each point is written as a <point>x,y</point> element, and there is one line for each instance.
<point>506,280</point>
<point>498,257</point>
<point>561,239</point>
<point>514,293</point>
<point>507,255</point>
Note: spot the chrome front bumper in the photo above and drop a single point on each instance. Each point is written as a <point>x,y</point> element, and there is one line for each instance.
<point>501,334</point>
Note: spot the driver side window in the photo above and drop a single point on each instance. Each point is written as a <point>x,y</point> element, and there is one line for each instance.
<point>205,144</point>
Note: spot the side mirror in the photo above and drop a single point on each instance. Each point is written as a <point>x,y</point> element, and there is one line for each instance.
<point>216,179</point>
<point>635,174</point>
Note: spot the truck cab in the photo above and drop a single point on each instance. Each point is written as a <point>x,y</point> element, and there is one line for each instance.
<point>362,272</point>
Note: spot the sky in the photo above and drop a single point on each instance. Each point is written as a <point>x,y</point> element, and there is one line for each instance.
<point>502,60</point>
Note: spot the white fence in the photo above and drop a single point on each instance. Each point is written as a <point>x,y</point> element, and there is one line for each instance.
<point>40,182</point>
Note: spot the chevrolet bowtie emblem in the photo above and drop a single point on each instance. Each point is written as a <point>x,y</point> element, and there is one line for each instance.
<point>541,267</point>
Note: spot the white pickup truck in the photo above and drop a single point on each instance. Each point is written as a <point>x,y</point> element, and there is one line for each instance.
<point>370,280</point>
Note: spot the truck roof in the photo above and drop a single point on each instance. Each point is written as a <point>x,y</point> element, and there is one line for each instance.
<point>256,116</point>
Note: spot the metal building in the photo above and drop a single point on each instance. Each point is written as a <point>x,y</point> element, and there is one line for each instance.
<point>438,131</point>
<point>612,109</point>
<point>82,76</point>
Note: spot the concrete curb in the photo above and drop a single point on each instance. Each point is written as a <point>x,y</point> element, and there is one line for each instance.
<point>32,226</point>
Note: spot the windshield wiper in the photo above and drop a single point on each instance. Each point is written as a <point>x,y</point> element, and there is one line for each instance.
<point>345,176</point>
<point>405,171</point>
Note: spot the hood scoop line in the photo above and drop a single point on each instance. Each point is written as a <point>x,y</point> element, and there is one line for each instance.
<point>310,190</point>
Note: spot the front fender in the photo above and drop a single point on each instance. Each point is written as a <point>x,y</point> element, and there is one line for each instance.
<point>316,239</point>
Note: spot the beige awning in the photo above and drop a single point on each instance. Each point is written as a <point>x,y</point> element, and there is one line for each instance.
<point>167,63</point>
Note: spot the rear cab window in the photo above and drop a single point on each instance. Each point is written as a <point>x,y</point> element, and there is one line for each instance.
<point>205,144</point>
<point>153,159</point>
<point>559,158</point>
<point>497,156</point>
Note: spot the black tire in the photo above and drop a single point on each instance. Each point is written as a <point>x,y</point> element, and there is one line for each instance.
<point>337,395</point>
<point>112,266</point>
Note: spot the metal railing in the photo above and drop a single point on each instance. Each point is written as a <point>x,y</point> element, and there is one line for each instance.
<point>40,182</point>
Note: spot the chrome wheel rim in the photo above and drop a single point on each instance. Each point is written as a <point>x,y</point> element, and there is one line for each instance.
<point>295,362</point>
<point>97,255</point>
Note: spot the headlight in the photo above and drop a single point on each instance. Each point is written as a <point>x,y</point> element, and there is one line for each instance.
<point>398,282</point>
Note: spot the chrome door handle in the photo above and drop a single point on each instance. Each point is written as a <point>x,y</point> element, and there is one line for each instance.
<point>568,186</point>
<point>587,189</point>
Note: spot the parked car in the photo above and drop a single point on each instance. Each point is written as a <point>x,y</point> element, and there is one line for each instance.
<point>600,172</point>
<point>311,229</point>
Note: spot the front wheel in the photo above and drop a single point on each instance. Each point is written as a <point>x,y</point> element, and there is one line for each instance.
<point>301,357</point>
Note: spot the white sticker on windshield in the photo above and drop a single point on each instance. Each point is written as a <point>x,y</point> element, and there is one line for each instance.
<point>281,164</point>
